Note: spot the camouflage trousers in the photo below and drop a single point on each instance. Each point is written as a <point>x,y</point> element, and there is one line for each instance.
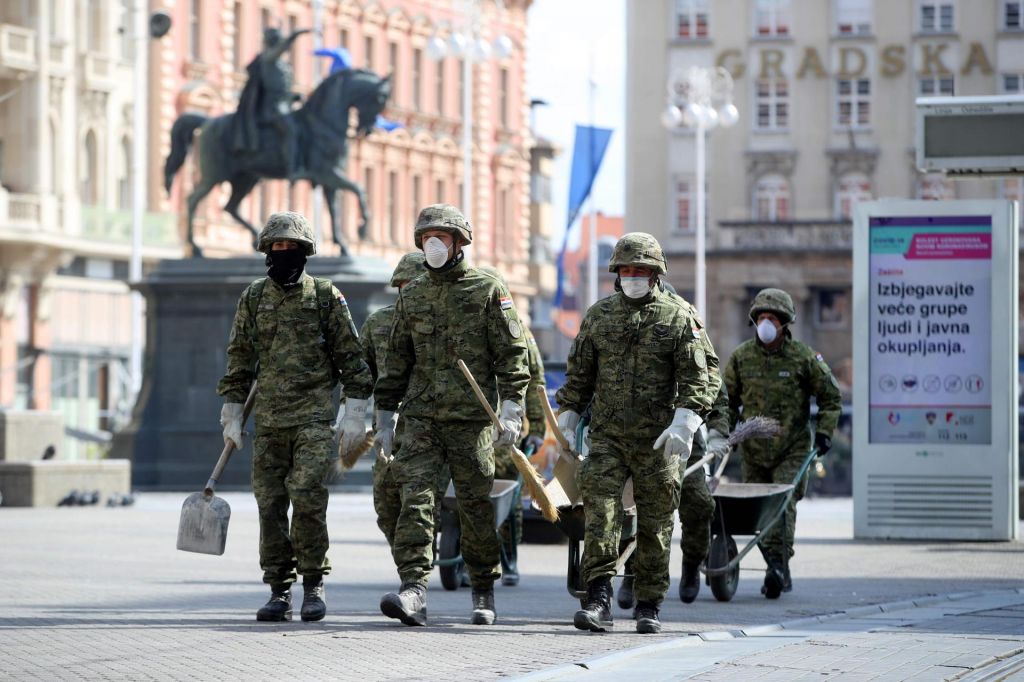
<point>696,509</point>
<point>505,468</point>
<point>387,493</point>
<point>778,543</point>
<point>288,469</point>
<point>466,447</point>
<point>601,477</point>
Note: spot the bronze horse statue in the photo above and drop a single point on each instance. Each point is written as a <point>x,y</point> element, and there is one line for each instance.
<point>322,124</point>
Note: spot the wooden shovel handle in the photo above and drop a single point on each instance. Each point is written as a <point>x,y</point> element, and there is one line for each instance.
<point>229,447</point>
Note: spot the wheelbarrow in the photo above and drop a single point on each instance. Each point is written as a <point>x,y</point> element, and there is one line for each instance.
<point>744,509</point>
<point>504,494</point>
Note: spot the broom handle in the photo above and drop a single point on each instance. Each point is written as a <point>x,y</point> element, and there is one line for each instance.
<point>229,447</point>
<point>549,414</point>
<point>480,395</point>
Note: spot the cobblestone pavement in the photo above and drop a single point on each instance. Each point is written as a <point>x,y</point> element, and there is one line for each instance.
<point>97,593</point>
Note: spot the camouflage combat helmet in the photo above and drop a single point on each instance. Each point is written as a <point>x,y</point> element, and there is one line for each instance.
<point>409,268</point>
<point>638,249</point>
<point>443,217</point>
<point>774,301</point>
<point>287,225</point>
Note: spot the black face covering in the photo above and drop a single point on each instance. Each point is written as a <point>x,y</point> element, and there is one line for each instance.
<point>285,267</point>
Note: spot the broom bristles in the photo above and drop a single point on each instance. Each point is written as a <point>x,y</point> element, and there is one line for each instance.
<point>755,427</point>
<point>349,460</point>
<point>534,485</point>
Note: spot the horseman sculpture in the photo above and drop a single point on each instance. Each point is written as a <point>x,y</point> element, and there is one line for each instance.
<point>266,139</point>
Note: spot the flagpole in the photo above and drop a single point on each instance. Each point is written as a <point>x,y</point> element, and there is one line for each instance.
<point>592,255</point>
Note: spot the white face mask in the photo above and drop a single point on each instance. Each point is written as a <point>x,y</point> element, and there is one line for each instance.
<point>766,331</point>
<point>436,252</point>
<point>635,287</point>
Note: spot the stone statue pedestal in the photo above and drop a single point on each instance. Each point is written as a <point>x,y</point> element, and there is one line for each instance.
<point>174,437</point>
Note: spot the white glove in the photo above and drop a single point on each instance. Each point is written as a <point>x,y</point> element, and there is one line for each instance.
<point>352,426</point>
<point>567,423</point>
<point>717,442</point>
<point>384,439</point>
<point>678,437</point>
<point>336,426</point>
<point>511,420</point>
<point>231,420</point>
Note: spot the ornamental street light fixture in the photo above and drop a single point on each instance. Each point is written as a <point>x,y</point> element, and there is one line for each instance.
<point>700,98</point>
<point>468,44</point>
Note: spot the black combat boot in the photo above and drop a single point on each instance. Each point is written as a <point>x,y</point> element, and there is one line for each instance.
<point>787,581</point>
<point>689,584</point>
<point>408,606</point>
<point>646,615</point>
<point>774,580</point>
<point>597,615</point>
<point>313,605</point>
<point>483,607</point>
<point>279,607</point>
<point>625,597</point>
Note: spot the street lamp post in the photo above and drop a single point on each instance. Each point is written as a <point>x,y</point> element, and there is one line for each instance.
<point>468,44</point>
<point>700,98</point>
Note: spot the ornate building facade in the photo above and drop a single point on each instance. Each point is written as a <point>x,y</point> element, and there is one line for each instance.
<point>825,91</point>
<point>200,66</point>
<point>66,118</point>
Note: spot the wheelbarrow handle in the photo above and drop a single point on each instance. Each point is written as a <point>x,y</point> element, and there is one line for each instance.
<point>229,447</point>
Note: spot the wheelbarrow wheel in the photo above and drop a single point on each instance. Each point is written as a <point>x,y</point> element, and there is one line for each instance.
<point>723,550</point>
<point>449,548</point>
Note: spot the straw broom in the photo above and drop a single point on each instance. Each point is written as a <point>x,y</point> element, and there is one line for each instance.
<point>531,479</point>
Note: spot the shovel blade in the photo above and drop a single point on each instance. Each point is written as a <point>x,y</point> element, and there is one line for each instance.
<point>203,526</point>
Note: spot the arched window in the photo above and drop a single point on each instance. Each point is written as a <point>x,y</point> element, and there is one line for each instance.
<point>852,188</point>
<point>124,176</point>
<point>935,186</point>
<point>90,172</point>
<point>772,198</point>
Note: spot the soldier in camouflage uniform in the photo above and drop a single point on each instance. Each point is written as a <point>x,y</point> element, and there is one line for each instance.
<point>505,468</point>
<point>295,335</point>
<point>455,311</point>
<point>533,438</point>
<point>775,376</point>
<point>387,498</point>
<point>642,356</point>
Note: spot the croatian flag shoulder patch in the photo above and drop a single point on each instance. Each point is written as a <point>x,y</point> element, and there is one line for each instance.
<point>341,300</point>
<point>505,302</point>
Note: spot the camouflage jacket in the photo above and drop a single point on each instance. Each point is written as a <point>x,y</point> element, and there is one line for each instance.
<point>638,360</point>
<point>296,377</point>
<point>780,384</point>
<point>534,408</point>
<point>439,318</point>
<point>374,337</point>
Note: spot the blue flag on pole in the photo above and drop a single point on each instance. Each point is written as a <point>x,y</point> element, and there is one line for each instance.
<point>341,58</point>
<point>588,152</point>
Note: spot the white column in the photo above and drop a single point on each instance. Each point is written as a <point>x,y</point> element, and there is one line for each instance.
<point>139,40</point>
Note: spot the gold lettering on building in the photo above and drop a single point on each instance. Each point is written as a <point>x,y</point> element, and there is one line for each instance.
<point>977,58</point>
<point>931,60</point>
<point>811,62</point>
<point>771,64</point>
<point>893,60</point>
<point>731,61</point>
<point>846,54</point>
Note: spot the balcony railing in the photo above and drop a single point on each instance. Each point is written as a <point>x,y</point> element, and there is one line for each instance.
<point>792,235</point>
<point>17,49</point>
<point>103,224</point>
<point>24,209</point>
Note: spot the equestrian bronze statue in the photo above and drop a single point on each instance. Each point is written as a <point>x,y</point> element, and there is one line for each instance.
<point>266,139</point>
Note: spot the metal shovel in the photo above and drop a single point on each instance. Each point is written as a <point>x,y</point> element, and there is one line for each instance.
<point>203,526</point>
